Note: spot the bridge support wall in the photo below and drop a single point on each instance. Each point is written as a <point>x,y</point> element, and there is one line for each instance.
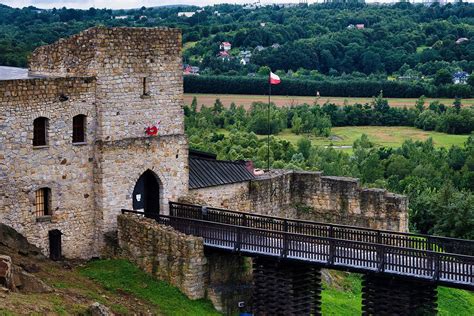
<point>286,288</point>
<point>384,295</point>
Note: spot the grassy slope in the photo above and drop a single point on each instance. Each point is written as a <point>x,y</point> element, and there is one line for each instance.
<point>388,136</point>
<point>120,275</point>
<point>346,299</point>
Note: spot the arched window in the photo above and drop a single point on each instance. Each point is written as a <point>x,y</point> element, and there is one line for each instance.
<point>79,128</point>
<point>43,202</point>
<point>40,131</point>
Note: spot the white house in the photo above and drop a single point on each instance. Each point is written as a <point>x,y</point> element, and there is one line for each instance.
<point>225,46</point>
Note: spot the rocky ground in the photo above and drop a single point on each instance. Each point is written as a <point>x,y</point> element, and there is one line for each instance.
<point>32,284</point>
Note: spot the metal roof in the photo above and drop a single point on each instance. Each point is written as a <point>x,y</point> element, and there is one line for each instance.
<point>205,172</point>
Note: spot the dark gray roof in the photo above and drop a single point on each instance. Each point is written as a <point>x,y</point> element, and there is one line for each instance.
<point>205,172</point>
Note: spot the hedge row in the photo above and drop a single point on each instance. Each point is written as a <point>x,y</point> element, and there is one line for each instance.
<point>349,88</point>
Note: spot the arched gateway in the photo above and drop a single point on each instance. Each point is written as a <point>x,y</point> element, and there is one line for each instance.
<point>146,194</point>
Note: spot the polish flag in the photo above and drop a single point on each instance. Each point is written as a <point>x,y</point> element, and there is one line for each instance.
<point>274,79</point>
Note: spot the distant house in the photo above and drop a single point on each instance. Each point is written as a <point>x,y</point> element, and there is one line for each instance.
<point>190,70</point>
<point>226,46</point>
<point>262,24</point>
<point>245,53</point>
<point>244,61</point>
<point>217,13</point>
<point>186,14</point>
<point>225,56</point>
<point>461,40</point>
<point>276,46</point>
<point>259,48</point>
<point>350,26</point>
<point>360,26</point>
<point>460,77</point>
<point>121,17</point>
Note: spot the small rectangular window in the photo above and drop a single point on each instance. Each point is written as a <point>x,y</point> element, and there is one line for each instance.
<point>79,129</point>
<point>40,131</point>
<point>146,91</point>
<point>43,202</point>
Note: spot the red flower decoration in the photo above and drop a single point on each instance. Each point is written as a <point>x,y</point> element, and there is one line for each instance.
<point>151,130</point>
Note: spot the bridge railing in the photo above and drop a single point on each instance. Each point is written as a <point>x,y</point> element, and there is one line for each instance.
<point>329,251</point>
<point>384,237</point>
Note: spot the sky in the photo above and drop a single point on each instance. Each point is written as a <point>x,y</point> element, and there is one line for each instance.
<point>126,4</point>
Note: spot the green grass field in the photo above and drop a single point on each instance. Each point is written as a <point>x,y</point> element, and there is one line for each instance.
<point>386,136</point>
<point>121,275</point>
<point>346,298</point>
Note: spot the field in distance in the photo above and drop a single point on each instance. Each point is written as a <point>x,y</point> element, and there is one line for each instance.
<point>282,101</point>
<point>383,136</point>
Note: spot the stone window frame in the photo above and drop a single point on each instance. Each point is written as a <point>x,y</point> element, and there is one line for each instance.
<point>48,204</point>
<point>145,82</point>
<point>44,131</point>
<point>84,129</point>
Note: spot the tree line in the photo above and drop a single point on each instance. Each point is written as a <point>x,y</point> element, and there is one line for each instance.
<point>305,87</point>
<point>439,182</point>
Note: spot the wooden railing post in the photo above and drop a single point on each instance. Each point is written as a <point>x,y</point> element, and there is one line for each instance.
<point>380,258</point>
<point>238,243</point>
<point>437,264</point>
<point>244,220</point>
<point>284,251</point>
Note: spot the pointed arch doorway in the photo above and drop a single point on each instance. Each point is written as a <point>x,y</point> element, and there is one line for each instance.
<point>146,194</point>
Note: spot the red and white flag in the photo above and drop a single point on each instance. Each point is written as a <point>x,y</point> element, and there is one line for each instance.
<point>274,79</point>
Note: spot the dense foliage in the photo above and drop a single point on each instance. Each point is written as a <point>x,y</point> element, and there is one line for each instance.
<point>439,182</point>
<point>340,87</point>
<point>417,46</point>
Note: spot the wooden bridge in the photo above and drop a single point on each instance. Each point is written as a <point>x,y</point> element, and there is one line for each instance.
<point>413,264</point>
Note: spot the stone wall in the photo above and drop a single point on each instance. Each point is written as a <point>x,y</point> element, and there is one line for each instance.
<point>164,253</point>
<point>181,260</point>
<point>66,168</point>
<point>311,196</point>
<point>101,73</point>
<point>120,164</point>
<point>120,58</point>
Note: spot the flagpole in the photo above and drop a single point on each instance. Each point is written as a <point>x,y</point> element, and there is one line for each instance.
<point>268,126</point>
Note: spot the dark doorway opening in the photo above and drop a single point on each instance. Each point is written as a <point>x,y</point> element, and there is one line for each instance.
<point>55,251</point>
<point>146,194</point>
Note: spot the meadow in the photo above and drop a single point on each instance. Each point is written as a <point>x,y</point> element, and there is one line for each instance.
<point>381,136</point>
<point>287,101</point>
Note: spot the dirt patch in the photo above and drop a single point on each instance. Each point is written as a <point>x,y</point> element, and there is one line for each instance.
<point>287,101</point>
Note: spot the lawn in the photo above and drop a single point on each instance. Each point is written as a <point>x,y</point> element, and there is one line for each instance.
<point>346,297</point>
<point>387,136</point>
<point>122,276</point>
<point>279,100</point>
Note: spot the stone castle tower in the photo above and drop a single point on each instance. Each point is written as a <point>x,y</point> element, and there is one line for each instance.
<point>116,82</point>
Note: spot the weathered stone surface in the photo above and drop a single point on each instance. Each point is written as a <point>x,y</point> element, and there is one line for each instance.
<point>165,253</point>
<point>98,73</point>
<point>28,283</point>
<point>97,309</point>
<point>310,196</point>
<point>6,273</point>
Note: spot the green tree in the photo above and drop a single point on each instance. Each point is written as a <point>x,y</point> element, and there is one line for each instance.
<point>304,146</point>
<point>442,76</point>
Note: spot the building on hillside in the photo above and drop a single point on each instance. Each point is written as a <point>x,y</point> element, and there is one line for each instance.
<point>190,70</point>
<point>460,77</point>
<point>96,125</point>
<point>186,14</point>
<point>461,40</point>
<point>225,46</point>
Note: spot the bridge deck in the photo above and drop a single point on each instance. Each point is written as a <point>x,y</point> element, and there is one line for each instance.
<point>335,246</point>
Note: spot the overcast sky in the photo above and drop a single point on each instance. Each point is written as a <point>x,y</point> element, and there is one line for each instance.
<point>125,4</point>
